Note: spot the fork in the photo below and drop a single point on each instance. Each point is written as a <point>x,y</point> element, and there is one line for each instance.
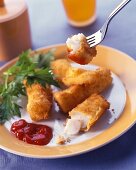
<point>98,37</point>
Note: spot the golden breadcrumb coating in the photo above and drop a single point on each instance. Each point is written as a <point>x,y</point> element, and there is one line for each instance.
<point>60,140</point>
<point>80,76</point>
<point>84,54</point>
<point>39,101</point>
<point>71,74</point>
<point>59,68</point>
<point>69,98</point>
<point>93,108</point>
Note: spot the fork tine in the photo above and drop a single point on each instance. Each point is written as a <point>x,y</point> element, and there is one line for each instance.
<point>90,43</point>
<point>93,35</point>
<point>90,37</point>
<point>90,40</point>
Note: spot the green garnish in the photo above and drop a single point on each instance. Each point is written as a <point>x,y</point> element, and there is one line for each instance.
<point>34,69</point>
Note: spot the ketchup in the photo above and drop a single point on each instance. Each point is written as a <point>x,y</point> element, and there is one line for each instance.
<point>32,133</point>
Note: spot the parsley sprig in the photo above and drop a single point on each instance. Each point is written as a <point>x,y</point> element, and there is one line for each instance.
<point>35,69</point>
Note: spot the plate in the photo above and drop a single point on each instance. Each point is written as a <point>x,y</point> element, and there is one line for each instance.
<point>123,66</point>
<point>115,94</point>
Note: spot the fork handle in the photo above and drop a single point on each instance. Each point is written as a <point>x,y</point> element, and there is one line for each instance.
<point>114,12</point>
<point>118,8</point>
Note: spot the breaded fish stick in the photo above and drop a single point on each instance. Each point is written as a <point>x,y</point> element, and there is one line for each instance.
<point>39,101</point>
<point>76,94</point>
<point>59,68</point>
<point>79,50</point>
<point>86,114</point>
<point>69,98</point>
<point>80,76</point>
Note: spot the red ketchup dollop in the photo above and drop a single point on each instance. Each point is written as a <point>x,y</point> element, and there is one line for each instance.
<point>36,134</point>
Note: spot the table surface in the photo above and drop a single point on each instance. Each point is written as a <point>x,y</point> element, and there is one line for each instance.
<point>49,26</point>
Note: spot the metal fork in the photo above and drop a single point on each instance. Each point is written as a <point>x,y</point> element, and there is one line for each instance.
<point>98,37</point>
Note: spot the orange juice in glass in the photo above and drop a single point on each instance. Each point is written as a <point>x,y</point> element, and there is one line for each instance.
<point>80,12</point>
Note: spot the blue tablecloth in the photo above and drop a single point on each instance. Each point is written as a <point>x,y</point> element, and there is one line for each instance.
<point>49,26</point>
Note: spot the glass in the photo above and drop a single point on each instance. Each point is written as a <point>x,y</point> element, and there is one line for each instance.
<point>80,12</point>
